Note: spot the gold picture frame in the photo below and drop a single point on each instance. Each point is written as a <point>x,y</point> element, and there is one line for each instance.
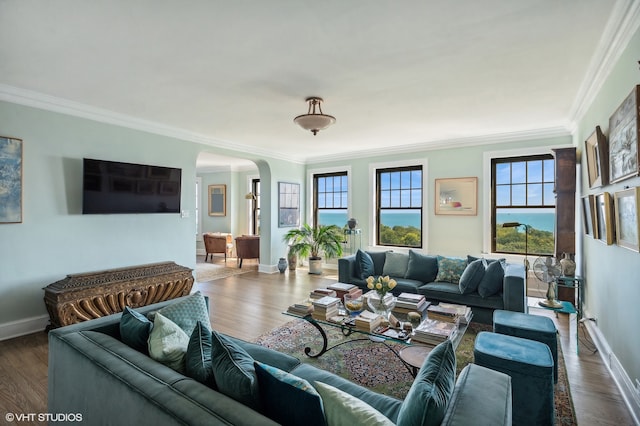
<point>597,151</point>
<point>456,196</point>
<point>218,200</point>
<point>624,131</point>
<point>604,229</point>
<point>627,218</point>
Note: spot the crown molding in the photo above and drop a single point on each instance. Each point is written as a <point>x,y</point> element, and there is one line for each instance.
<point>623,23</point>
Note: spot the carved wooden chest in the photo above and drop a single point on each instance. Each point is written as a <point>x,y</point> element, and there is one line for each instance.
<point>81,297</point>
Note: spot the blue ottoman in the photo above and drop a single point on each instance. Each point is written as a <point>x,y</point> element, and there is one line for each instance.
<point>530,365</point>
<point>534,327</point>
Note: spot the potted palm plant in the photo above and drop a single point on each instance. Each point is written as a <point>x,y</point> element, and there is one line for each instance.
<point>314,241</point>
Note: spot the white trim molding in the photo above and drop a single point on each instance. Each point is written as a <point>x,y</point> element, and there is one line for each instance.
<point>21,327</point>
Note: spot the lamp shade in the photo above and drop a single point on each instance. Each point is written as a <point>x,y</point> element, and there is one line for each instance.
<point>314,120</point>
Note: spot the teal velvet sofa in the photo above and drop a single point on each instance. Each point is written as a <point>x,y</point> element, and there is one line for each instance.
<point>482,284</point>
<point>92,372</point>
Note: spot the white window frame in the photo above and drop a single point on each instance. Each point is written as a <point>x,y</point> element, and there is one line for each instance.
<point>310,180</point>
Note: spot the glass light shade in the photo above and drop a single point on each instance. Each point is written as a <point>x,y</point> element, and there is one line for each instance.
<point>314,122</point>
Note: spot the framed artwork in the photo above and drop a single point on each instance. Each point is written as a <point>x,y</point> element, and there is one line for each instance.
<point>597,151</point>
<point>604,218</point>
<point>218,200</point>
<point>588,205</point>
<point>288,204</point>
<point>627,218</point>
<point>623,139</point>
<point>10,180</point>
<point>457,196</point>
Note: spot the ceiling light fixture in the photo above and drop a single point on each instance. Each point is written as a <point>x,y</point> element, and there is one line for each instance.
<point>312,120</point>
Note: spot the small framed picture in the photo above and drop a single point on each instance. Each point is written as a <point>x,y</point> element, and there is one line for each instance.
<point>627,218</point>
<point>604,218</point>
<point>588,206</point>
<point>597,151</point>
<point>624,128</point>
<point>457,196</point>
<point>218,200</point>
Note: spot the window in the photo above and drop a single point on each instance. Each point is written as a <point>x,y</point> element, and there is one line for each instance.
<point>523,193</point>
<point>399,206</point>
<point>330,202</point>
<point>255,206</point>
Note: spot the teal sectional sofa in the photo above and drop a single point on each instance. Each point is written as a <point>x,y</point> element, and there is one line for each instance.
<point>94,373</point>
<point>483,284</point>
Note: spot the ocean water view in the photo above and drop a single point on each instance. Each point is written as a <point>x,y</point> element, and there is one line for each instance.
<point>543,221</point>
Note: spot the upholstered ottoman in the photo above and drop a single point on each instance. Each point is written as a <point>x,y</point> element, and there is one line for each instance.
<point>530,365</point>
<point>534,327</point>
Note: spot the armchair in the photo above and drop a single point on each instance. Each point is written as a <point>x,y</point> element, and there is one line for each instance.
<point>216,243</point>
<point>247,247</point>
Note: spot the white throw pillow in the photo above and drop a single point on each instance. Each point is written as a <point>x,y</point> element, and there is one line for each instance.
<point>168,343</point>
<point>343,409</point>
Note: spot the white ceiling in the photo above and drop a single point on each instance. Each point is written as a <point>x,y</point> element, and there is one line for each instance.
<point>396,75</point>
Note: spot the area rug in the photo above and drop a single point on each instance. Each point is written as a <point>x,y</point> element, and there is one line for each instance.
<point>214,271</point>
<point>376,366</point>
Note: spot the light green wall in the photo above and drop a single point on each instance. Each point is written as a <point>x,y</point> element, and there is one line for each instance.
<point>612,285</point>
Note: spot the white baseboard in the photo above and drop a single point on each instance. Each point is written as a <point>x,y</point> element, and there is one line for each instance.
<point>21,327</point>
<point>627,389</point>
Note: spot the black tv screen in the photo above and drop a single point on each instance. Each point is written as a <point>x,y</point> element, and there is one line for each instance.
<point>114,187</point>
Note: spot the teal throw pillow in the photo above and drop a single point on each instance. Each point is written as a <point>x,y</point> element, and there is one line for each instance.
<point>364,265</point>
<point>472,276</point>
<point>198,358</point>
<point>472,258</point>
<point>422,267</point>
<point>492,280</point>
<point>168,343</point>
<point>343,409</point>
<point>450,269</point>
<point>395,264</point>
<point>188,311</point>
<point>234,372</point>
<point>378,258</point>
<point>135,329</point>
<point>431,391</point>
<point>288,399</point>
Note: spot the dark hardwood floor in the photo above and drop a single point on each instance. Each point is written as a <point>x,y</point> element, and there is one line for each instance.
<point>250,304</point>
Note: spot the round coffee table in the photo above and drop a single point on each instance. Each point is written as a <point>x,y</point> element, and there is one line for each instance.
<point>414,356</point>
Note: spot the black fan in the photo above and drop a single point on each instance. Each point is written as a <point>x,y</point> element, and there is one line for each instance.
<point>547,270</point>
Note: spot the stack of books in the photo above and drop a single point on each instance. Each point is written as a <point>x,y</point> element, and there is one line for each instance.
<point>443,313</point>
<point>368,321</point>
<point>325,308</point>
<point>302,308</point>
<point>341,289</point>
<point>464,312</point>
<point>321,292</point>
<point>434,332</point>
<point>410,302</point>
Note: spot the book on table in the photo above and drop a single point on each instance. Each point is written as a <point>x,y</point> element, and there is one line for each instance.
<point>319,293</point>
<point>410,301</point>
<point>464,312</point>
<point>443,313</point>
<point>343,288</point>
<point>301,308</point>
<point>325,308</point>
<point>434,332</point>
<point>368,321</point>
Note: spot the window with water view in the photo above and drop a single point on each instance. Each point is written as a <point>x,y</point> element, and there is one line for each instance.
<point>331,199</point>
<point>399,206</point>
<point>523,194</point>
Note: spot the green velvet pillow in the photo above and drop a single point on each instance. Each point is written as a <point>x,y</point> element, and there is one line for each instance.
<point>198,358</point>
<point>450,269</point>
<point>422,267</point>
<point>234,372</point>
<point>168,343</point>
<point>472,276</point>
<point>431,391</point>
<point>395,264</point>
<point>187,312</point>
<point>378,258</point>
<point>135,329</point>
<point>492,280</point>
<point>364,263</point>
<point>472,258</point>
<point>343,409</point>
<point>288,399</point>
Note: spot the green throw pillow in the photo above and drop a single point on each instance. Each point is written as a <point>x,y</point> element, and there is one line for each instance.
<point>135,329</point>
<point>450,269</point>
<point>395,264</point>
<point>422,267</point>
<point>187,312</point>
<point>343,409</point>
<point>492,280</point>
<point>429,396</point>
<point>198,358</point>
<point>472,276</point>
<point>234,372</point>
<point>288,399</point>
<point>365,266</point>
<point>168,343</point>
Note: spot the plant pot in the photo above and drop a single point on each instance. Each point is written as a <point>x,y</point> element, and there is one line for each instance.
<point>315,265</point>
<point>292,260</point>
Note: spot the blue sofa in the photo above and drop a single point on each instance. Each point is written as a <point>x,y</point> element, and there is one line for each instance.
<point>422,274</point>
<point>92,372</point>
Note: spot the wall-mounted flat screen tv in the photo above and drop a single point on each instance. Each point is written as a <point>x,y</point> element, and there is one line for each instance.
<point>114,187</point>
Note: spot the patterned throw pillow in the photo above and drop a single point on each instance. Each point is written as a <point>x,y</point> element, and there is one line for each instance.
<point>450,269</point>
<point>187,312</point>
<point>168,343</point>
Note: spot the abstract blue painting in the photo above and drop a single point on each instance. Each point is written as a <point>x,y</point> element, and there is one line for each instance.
<point>10,180</point>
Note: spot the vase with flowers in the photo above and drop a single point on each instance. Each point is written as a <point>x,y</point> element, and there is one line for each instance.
<point>381,301</point>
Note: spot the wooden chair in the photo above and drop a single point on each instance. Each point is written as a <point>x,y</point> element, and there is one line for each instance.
<point>215,243</point>
<point>247,247</point>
